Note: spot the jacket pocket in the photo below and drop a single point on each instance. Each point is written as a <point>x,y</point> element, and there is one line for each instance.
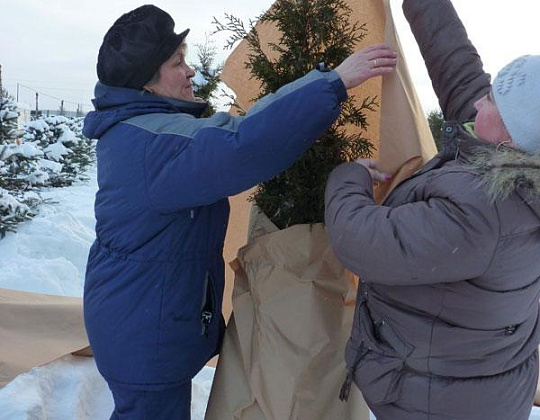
<point>208,304</point>
<point>377,361</point>
<point>182,295</point>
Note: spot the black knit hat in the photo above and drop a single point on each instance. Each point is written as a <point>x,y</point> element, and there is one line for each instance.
<point>137,44</point>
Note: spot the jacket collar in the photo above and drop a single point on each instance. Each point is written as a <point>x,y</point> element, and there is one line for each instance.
<point>112,97</point>
<point>503,170</point>
<point>458,143</point>
<point>115,104</point>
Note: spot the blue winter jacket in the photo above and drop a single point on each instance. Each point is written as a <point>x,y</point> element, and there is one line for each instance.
<point>155,274</point>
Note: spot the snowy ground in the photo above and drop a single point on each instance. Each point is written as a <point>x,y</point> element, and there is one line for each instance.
<point>48,255</point>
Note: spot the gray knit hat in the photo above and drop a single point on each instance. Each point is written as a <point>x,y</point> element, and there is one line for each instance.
<point>516,91</point>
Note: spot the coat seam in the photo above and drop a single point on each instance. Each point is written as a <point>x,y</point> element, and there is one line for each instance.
<point>185,135</point>
<point>160,317</point>
<point>430,349</point>
<point>515,235</point>
<point>499,237</point>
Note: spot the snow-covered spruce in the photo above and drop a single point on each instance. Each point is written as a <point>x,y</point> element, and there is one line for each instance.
<point>14,210</point>
<point>8,120</point>
<point>47,152</point>
<point>61,140</point>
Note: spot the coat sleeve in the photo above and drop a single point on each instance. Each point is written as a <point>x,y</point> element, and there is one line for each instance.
<point>450,235</point>
<point>453,64</point>
<point>225,155</point>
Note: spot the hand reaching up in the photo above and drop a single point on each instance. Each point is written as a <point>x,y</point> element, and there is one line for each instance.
<point>375,60</point>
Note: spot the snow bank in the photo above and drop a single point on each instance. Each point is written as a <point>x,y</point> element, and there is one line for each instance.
<point>71,388</point>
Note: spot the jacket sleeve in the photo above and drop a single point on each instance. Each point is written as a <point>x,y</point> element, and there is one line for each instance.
<point>225,155</point>
<point>450,235</point>
<point>453,64</point>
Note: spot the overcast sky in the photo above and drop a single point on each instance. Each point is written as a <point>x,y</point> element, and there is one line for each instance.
<point>52,45</point>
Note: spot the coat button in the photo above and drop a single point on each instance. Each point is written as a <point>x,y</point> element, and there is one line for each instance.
<point>449,130</point>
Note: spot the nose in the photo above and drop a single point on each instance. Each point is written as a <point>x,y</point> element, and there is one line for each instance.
<point>191,73</point>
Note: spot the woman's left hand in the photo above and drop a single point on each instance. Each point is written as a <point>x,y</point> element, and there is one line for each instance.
<point>372,61</point>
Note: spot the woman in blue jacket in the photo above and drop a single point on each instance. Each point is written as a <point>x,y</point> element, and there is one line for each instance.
<point>154,281</point>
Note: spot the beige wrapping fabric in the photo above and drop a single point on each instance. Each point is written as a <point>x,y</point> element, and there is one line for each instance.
<point>235,239</point>
<point>282,357</point>
<point>406,142</point>
<point>36,329</point>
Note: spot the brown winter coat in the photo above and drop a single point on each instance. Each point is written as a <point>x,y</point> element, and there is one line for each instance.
<point>447,317</point>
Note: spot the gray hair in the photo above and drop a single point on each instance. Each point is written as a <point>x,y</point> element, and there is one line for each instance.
<point>154,79</point>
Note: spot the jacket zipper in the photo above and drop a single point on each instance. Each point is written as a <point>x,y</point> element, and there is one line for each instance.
<point>207,306</point>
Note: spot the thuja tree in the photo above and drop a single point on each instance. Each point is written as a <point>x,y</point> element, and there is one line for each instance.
<point>206,85</point>
<point>312,31</point>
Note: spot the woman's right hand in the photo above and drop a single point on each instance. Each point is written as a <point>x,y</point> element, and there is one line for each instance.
<point>373,167</point>
<point>375,60</point>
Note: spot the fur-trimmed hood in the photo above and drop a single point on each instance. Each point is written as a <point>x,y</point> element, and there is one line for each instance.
<point>506,170</point>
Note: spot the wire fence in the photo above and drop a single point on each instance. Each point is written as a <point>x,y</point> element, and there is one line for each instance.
<point>40,100</point>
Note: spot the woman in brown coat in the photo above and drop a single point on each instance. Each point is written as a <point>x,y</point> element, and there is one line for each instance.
<point>447,323</point>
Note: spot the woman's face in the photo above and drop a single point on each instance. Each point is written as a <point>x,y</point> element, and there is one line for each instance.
<point>489,125</point>
<point>174,78</point>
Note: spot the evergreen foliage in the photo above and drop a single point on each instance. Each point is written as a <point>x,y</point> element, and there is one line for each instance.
<point>436,121</point>
<point>205,88</point>
<point>312,31</point>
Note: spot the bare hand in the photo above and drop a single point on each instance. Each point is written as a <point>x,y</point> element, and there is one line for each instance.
<point>374,170</point>
<point>375,60</point>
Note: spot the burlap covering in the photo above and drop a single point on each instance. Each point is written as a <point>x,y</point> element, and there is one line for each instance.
<point>36,329</point>
<point>282,357</point>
